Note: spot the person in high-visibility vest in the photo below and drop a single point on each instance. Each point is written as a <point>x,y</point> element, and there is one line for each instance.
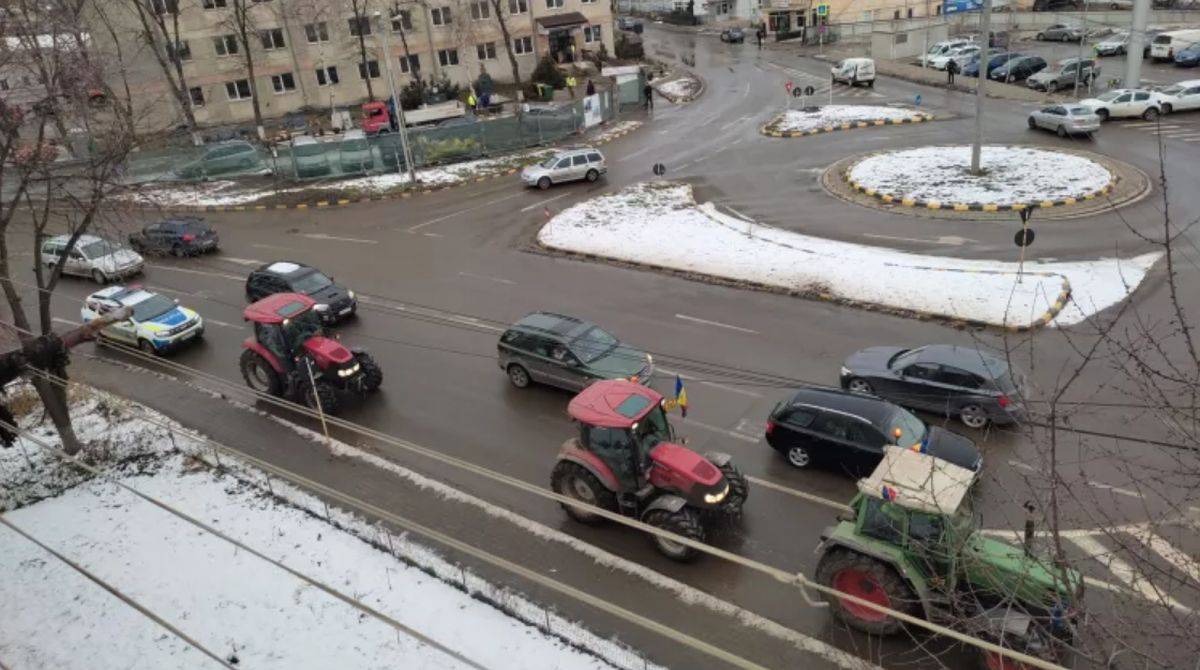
<point>571,85</point>
<point>471,101</point>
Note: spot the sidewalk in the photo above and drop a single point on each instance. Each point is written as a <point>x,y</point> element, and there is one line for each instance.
<point>538,541</point>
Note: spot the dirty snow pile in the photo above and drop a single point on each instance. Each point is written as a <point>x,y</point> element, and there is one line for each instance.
<point>608,132</point>
<point>794,120</point>
<point>1011,175</point>
<point>662,225</point>
<point>231,602</point>
<point>678,89</point>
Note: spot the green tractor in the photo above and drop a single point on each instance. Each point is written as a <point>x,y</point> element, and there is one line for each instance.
<point>911,543</point>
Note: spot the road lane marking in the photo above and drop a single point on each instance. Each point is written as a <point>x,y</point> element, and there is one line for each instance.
<point>718,324</point>
<point>69,322</point>
<point>747,92</point>
<point>486,278</point>
<point>222,324</point>
<point>1125,572</point>
<point>639,152</point>
<point>841,507</point>
<point>1090,482</point>
<point>384,303</point>
<point>735,435</point>
<point>1169,553</point>
<point>451,215</point>
<point>543,202</point>
<point>335,238</point>
<point>736,121</point>
<point>221,275</point>
<point>239,261</point>
<point>723,387</point>
<point>951,240</point>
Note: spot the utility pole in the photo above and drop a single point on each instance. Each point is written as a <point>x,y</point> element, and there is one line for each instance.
<point>1083,31</point>
<point>385,27</point>
<point>985,27</point>
<point>925,39</point>
<point>1137,42</point>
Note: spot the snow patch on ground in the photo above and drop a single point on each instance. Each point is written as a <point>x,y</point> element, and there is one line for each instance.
<point>662,225</point>
<point>609,132</point>
<point>825,116</point>
<point>229,600</point>
<point>678,89</point>
<point>1012,175</point>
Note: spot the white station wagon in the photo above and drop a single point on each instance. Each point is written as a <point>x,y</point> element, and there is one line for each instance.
<point>567,165</point>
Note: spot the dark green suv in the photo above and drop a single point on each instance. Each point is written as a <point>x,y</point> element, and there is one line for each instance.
<point>568,353</point>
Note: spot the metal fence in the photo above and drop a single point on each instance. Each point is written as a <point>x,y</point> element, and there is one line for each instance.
<point>465,139</point>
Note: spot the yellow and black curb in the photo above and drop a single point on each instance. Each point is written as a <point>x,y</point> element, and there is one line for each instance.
<point>770,129</point>
<point>340,202</point>
<point>975,206</point>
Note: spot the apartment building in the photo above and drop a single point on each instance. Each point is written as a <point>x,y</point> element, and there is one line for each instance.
<point>310,53</point>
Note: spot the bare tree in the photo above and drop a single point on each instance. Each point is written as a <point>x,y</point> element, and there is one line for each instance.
<point>46,42</point>
<point>158,29</point>
<point>245,29</point>
<point>498,7</point>
<point>362,20</point>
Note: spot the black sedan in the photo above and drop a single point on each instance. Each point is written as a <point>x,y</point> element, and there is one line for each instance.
<point>183,236</point>
<point>967,383</point>
<point>849,431</point>
<point>1019,69</point>
<point>334,302</point>
<point>733,35</point>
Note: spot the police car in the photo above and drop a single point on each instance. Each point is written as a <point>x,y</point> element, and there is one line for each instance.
<point>157,323</point>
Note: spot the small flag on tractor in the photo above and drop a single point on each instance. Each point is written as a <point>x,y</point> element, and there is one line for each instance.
<point>681,396</point>
<point>889,493</point>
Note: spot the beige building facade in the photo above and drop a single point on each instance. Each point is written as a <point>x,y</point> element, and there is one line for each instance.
<point>308,54</point>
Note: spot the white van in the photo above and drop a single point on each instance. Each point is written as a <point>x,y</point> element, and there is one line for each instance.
<point>1165,45</point>
<point>854,71</point>
<point>942,48</point>
<point>94,257</point>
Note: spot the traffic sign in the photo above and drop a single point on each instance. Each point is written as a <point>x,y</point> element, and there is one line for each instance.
<point>796,92</point>
<point>659,169</point>
<point>1024,237</point>
<point>809,90</point>
<point>788,86</point>
<point>822,10</point>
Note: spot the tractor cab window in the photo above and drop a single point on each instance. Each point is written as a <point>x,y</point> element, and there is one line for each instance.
<point>883,521</point>
<point>301,327</point>
<point>615,447</point>
<point>271,337</point>
<point>651,430</point>
<point>925,531</point>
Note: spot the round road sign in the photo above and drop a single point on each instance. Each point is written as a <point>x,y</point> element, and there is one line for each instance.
<point>809,90</point>
<point>1024,237</point>
<point>659,169</point>
<point>796,92</point>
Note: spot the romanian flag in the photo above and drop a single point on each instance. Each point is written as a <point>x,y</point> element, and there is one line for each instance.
<point>889,493</point>
<point>922,446</point>
<point>681,396</point>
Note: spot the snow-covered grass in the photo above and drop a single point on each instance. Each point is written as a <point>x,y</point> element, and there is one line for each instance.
<point>1011,175</point>
<point>663,226</point>
<point>681,89</point>
<point>826,116</point>
<point>231,601</point>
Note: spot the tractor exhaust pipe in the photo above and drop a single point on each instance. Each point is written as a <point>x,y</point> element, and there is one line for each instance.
<point>1029,526</point>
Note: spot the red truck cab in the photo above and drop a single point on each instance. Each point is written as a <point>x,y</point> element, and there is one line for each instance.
<point>376,118</point>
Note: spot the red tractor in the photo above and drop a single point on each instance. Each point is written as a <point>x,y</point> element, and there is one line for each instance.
<point>626,460</point>
<point>291,356</point>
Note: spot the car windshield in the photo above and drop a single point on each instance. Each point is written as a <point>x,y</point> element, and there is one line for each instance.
<point>904,358</point>
<point>1110,96</point>
<point>905,430</point>
<point>299,328</point>
<point>1172,90</point>
<point>310,283</point>
<point>549,162</point>
<point>652,429</point>
<point>99,248</point>
<point>592,344</point>
<point>1079,111</point>
<point>152,307</point>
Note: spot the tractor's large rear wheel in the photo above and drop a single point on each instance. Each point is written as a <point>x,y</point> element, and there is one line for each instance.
<point>324,393</point>
<point>371,372</point>
<point>259,374</point>
<point>739,490</point>
<point>575,481</point>
<point>685,522</point>
<point>862,576</point>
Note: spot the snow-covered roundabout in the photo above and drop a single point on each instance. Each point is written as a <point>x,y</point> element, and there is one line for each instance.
<point>1013,177</point>
<point>661,226</point>
<point>827,118</point>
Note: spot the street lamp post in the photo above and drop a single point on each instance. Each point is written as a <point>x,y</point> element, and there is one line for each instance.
<point>985,27</point>
<point>387,60</point>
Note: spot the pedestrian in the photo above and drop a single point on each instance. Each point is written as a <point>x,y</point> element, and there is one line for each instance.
<point>472,102</point>
<point>571,85</point>
<point>649,93</point>
<point>591,88</point>
<point>758,34</point>
<point>572,48</point>
<point>951,70</point>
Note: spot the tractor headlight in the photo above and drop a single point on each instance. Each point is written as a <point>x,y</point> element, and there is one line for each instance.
<point>714,498</point>
<point>351,294</point>
<point>321,307</point>
<point>349,372</point>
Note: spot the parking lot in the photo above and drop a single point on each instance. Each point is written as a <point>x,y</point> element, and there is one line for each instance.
<point>1111,67</point>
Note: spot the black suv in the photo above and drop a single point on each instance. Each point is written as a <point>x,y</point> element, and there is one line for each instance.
<point>334,302</point>
<point>848,430</point>
<point>183,236</point>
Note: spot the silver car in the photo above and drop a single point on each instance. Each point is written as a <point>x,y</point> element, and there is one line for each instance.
<point>92,256</point>
<point>567,165</point>
<point>1065,120</point>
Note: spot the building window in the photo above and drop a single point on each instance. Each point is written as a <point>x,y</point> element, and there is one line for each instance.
<point>486,51</point>
<point>238,90</point>
<point>441,16</point>
<point>225,45</point>
<point>283,83</point>
<point>522,45</point>
<point>164,6</point>
<point>3,84</point>
<point>213,4</point>
<point>197,95</point>
<point>937,10</point>
<point>272,38</point>
<point>896,14</point>
<point>448,57</point>
<point>370,67</point>
<point>402,21</point>
<point>316,32</point>
<point>592,34</point>
<point>518,6</point>
<point>181,51</point>
<point>359,25</point>
<point>410,64</point>
<point>910,12</point>
<point>327,76</point>
<point>554,4</point>
<point>480,10</point>
<point>587,1</point>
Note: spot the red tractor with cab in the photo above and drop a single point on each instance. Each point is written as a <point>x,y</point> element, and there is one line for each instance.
<point>291,356</point>
<point>627,460</point>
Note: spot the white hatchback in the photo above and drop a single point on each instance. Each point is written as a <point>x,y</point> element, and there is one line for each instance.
<point>1181,96</point>
<point>1125,103</point>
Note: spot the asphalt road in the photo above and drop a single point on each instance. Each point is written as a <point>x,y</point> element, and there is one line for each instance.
<point>438,272</point>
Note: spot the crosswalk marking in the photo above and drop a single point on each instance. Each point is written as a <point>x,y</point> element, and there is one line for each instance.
<point>1125,572</point>
<point>1182,562</point>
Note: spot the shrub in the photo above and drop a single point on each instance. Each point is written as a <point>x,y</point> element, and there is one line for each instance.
<point>548,73</point>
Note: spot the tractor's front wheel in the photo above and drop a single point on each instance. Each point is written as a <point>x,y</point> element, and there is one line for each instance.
<point>324,393</point>
<point>685,522</point>
<point>259,374</point>
<point>371,372</point>
<point>574,481</point>
<point>739,490</point>
<point>868,579</point>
